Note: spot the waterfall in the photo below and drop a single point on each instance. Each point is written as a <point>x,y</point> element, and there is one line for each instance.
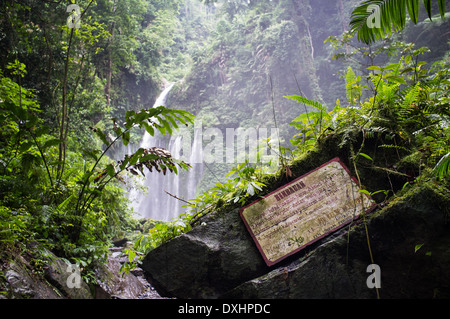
<point>156,203</point>
<point>196,161</point>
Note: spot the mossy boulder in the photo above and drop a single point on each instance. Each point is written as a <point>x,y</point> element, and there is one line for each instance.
<point>207,261</point>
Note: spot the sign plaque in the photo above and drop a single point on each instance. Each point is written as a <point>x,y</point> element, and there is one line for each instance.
<point>304,211</point>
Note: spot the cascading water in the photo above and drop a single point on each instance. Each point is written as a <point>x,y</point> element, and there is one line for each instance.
<point>156,203</point>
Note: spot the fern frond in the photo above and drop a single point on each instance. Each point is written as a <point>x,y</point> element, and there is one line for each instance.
<point>408,101</point>
<point>351,85</point>
<point>63,206</point>
<point>394,147</point>
<point>304,100</point>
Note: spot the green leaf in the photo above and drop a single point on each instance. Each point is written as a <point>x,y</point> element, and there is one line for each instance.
<point>134,158</point>
<point>101,135</point>
<point>149,128</point>
<point>305,117</point>
<point>304,100</point>
<point>379,191</point>
<point>166,125</point>
<point>391,66</point>
<point>442,8</point>
<point>131,255</point>
<point>366,156</point>
<point>427,5</point>
<point>129,119</point>
<point>171,120</point>
<point>374,67</point>
<point>110,170</point>
<point>91,153</point>
<point>392,15</point>
<point>118,131</point>
<point>408,58</point>
<point>413,10</point>
<point>364,192</point>
<point>148,157</point>
<point>396,79</point>
<point>61,207</point>
<point>417,247</point>
<point>126,138</point>
<point>161,129</point>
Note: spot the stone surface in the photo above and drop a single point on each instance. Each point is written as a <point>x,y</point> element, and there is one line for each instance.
<point>207,261</point>
<point>57,273</point>
<point>22,281</point>
<point>111,284</point>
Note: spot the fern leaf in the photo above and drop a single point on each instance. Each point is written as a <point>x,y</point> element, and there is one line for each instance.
<point>304,100</point>
<point>408,101</point>
<point>351,85</point>
<point>62,207</point>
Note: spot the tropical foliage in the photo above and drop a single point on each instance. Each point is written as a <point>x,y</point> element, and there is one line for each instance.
<point>62,115</point>
<point>73,99</point>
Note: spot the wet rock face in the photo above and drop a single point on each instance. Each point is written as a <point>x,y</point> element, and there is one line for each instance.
<point>58,280</point>
<point>219,259</point>
<point>112,284</point>
<point>20,286</point>
<point>23,281</point>
<point>64,278</point>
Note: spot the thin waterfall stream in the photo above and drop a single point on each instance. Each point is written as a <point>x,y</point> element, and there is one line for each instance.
<point>155,202</point>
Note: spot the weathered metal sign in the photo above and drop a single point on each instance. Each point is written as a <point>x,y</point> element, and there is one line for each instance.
<point>305,210</point>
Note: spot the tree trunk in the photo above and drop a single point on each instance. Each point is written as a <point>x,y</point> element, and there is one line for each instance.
<point>63,123</point>
<point>109,65</point>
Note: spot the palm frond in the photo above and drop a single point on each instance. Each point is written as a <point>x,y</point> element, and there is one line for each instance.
<point>389,16</point>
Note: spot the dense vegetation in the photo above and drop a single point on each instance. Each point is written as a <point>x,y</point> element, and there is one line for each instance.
<point>70,97</point>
